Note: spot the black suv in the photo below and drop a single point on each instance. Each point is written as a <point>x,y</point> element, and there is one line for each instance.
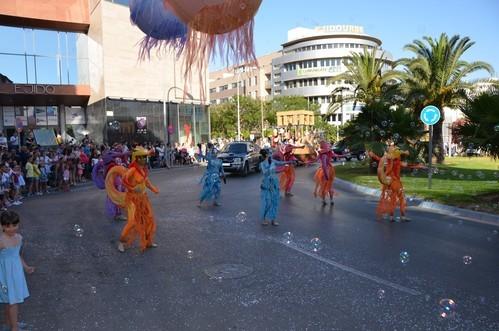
<point>342,150</point>
<point>240,157</point>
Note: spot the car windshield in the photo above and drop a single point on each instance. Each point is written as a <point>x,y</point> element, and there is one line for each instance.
<point>235,148</point>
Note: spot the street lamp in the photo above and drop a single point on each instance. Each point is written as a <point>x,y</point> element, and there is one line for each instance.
<point>166,121</point>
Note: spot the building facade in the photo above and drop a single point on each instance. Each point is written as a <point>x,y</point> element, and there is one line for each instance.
<point>72,65</point>
<point>254,80</point>
<point>310,57</point>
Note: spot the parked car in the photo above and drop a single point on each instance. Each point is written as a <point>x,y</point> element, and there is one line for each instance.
<point>342,150</point>
<point>240,157</point>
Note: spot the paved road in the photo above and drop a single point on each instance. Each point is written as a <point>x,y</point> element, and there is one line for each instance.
<point>356,280</point>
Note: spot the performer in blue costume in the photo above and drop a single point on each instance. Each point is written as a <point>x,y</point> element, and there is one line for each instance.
<point>211,179</point>
<point>270,195</point>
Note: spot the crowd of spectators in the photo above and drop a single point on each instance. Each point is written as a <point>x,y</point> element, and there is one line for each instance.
<point>31,170</point>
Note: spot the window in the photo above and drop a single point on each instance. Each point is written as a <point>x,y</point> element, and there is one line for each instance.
<point>213,90</point>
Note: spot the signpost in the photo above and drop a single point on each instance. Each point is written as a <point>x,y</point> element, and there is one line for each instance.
<point>430,115</point>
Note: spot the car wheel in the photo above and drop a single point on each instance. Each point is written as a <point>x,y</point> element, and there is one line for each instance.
<point>245,170</point>
<point>361,157</point>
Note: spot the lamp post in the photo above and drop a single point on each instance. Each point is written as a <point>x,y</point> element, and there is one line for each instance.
<point>166,118</point>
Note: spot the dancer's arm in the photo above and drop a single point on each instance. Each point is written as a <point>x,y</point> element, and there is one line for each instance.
<point>150,186</point>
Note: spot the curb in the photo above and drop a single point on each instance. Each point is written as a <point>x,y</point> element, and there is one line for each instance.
<point>471,215</point>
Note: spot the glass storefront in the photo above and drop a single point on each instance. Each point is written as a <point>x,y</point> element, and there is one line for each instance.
<point>119,120</point>
<point>36,56</point>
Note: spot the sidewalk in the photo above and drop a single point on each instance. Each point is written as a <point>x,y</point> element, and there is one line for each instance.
<point>467,214</point>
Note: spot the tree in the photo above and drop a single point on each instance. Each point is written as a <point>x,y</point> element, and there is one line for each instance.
<point>480,128</point>
<point>435,77</point>
<point>366,72</point>
<point>378,123</point>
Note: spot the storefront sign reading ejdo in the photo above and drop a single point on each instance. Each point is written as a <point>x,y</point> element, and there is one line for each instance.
<point>33,89</point>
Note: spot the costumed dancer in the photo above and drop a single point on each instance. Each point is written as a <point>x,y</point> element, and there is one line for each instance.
<point>287,178</point>
<point>325,174</point>
<point>392,191</point>
<point>211,179</point>
<point>110,159</point>
<point>270,193</point>
<point>140,221</point>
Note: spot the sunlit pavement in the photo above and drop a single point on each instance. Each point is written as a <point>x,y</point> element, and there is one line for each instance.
<point>215,271</point>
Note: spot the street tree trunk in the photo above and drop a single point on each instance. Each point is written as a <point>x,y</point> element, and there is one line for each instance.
<point>438,139</point>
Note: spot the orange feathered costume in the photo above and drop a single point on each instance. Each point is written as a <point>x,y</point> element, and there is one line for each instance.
<point>140,220</point>
<point>323,184</point>
<point>392,191</point>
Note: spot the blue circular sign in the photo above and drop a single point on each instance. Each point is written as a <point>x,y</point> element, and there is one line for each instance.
<point>430,115</point>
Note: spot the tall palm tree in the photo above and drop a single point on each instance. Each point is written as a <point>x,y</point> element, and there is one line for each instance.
<point>365,71</point>
<point>435,76</point>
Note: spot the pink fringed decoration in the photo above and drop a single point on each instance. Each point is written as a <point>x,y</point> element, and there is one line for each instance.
<point>223,27</point>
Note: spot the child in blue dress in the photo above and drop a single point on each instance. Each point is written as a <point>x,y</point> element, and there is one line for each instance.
<point>13,288</point>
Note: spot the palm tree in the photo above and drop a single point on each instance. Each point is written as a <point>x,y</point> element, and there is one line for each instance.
<point>365,71</point>
<point>480,129</point>
<point>435,76</point>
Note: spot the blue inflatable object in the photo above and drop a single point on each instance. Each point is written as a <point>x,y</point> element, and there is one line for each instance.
<point>161,26</point>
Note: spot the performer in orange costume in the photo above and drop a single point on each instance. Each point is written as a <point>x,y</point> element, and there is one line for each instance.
<point>392,191</point>
<point>140,221</point>
<point>324,176</point>
<point>287,178</point>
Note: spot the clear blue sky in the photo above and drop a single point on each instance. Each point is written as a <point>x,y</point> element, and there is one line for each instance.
<point>395,22</point>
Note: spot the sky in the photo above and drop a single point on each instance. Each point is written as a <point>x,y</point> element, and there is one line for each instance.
<point>396,22</point>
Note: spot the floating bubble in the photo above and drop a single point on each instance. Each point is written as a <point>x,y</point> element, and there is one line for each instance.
<point>4,289</point>
<point>480,174</point>
<point>126,280</point>
<point>454,173</point>
<point>461,176</point>
<point>447,308</point>
<point>316,244</point>
<point>483,300</point>
<point>78,232</point>
<point>413,125</point>
<point>93,290</point>
<point>496,128</point>
<point>404,257</point>
<point>488,146</point>
<point>342,132</point>
<point>211,218</point>
<point>467,259</point>
<point>396,136</point>
<point>288,237</point>
<point>343,163</point>
<point>114,125</point>
<point>381,294</point>
<point>376,127</point>
<point>241,217</point>
<point>190,254</point>
<point>495,232</point>
<point>384,123</point>
<point>367,134</point>
<point>382,133</point>
<point>374,165</point>
<point>391,124</point>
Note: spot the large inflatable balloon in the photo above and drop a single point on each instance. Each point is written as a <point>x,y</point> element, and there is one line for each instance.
<point>161,26</point>
<point>216,26</point>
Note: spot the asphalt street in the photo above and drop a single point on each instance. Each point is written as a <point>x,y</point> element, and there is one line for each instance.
<point>212,271</point>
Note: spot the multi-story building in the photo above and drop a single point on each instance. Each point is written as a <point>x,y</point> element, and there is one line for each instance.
<point>72,66</point>
<point>310,57</point>
<point>254,81</point>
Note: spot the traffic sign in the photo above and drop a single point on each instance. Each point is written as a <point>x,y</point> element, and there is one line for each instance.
<point>430,115</point>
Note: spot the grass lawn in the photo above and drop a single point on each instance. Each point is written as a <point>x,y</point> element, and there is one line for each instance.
<point>471,183</point>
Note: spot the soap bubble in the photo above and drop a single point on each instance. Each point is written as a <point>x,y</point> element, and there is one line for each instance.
<point>114,125</point>
<point>496,128</point>
<point>396,136</point>
<point>367,134</point>
<point>404,257</point>
<point>413,125</point>
<point>211,218</point>
<point>288,237</point>
<point>467,259</point>
<point>391,124</point>
<point>78,232</point>
<point>381,294</point>
<point>93,289</point>
<point>241,217</point>
<point>126,280</point>
<point>384,123</point>
<point>190,254</point>
<point>316,244</point>
<point>382,133</point>
<point>447,308</point>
